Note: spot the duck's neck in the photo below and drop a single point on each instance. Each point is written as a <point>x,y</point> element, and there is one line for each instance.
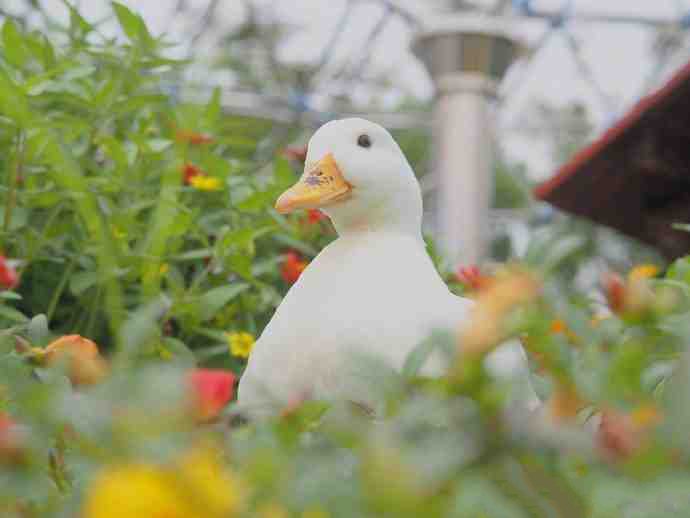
<point>399,213</point>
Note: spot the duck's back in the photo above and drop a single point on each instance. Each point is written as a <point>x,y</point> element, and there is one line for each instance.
<point>371,293</point>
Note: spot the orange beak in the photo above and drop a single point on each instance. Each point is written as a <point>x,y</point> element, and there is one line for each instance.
<point>320,185</point>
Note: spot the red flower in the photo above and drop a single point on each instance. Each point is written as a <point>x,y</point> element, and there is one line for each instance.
<point>615,289</point>
<point>293,267</point>
<point>472,278</point>
<point>189,171</point>
<point>12,446</point>
<point>8,275</point>
<point>212,389</point>
<point>616,438</point>
<point>315,215</point>
<point>194,138</point>
<point>299,154</point>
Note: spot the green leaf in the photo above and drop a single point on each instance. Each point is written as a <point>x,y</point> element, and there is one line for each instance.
<point>13,103</point>
<point>82,281</point>
<point>241,264</point>
<point>213,109</point>
<point>12,314</point>
<point>420,354</point>
<point>132,24</point>
<point>10,295</point>
<point>283,174</point>
<point>78,26</point>
<point>179,350</point>
<point>14,49</point>
<point>142,326</point>
<point>214,300</point>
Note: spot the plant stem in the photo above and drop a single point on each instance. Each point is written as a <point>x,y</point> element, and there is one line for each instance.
<point>60,288</point>
<point>15,173</point>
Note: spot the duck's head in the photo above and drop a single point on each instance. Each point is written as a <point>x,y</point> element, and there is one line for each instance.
<point>356,173</point>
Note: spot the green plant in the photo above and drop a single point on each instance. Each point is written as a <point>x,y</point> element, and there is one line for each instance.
<point>145,223</point>
<point>116,193</point>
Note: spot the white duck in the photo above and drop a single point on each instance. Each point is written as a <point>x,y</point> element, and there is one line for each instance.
<point>374,290</point>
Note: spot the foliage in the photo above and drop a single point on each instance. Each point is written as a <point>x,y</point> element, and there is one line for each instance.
<point>116,193</point>
<point>113,241</point>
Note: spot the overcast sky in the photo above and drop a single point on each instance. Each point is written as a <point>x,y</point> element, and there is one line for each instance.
<point>617,54</point>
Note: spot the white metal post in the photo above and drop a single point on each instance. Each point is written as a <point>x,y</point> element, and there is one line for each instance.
<point>463,149</point>
<point>466,55</point>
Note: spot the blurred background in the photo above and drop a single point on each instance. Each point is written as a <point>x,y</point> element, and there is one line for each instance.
<point>568,69</point>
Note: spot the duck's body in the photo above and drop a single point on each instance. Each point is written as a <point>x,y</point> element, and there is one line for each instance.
<point>383,298</point>
<point>373,291</point>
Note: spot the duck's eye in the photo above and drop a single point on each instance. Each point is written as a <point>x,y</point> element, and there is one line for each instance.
<point>364,141</point>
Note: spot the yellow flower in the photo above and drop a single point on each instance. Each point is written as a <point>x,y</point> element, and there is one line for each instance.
<point>197,487</point>
<point>164,268</point>
<point>205,183</point>
<point>646,415</point>
<point>643,271</point>
<point>241,344</point>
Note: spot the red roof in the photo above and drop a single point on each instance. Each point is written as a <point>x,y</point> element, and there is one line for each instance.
<point>636,176</point>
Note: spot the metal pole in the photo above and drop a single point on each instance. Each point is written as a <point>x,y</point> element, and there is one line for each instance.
<point>463,143</point>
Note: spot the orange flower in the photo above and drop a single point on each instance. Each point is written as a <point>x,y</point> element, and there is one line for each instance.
<point>485,328</point>
<point>194,138</point>
<point>564,403</point>
<point>631,297</point>
<point>190,171</point>
<point>472,278</point>
<point>315,215</point>
<point>212,390</point>
<point>558,326</point>
<point>299,154</point>
<point>293,267</point>
<point>86,365</point>
<point>8,275</point>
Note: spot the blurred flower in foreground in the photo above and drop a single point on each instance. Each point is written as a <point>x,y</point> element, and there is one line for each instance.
<point>621,435</point>
<point>12,447</point>
<point>195,487</point>
<point>630,296</point>
<point>315,215</point>
<point>485,329</point>
<point>472,278</point>
<point>8,275</point>
<point>240,344</point>
<point>293,267</point>
<point>190,171</point>
<point>205,183</point>
<point>85,365</point>
<point>564,403</point>
<point>643,271</point>
<point>212,390</point>
<point>193,137</point>
<point>559,327</point>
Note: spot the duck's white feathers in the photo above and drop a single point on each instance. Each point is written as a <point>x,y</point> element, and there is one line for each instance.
<point>368,293</point>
